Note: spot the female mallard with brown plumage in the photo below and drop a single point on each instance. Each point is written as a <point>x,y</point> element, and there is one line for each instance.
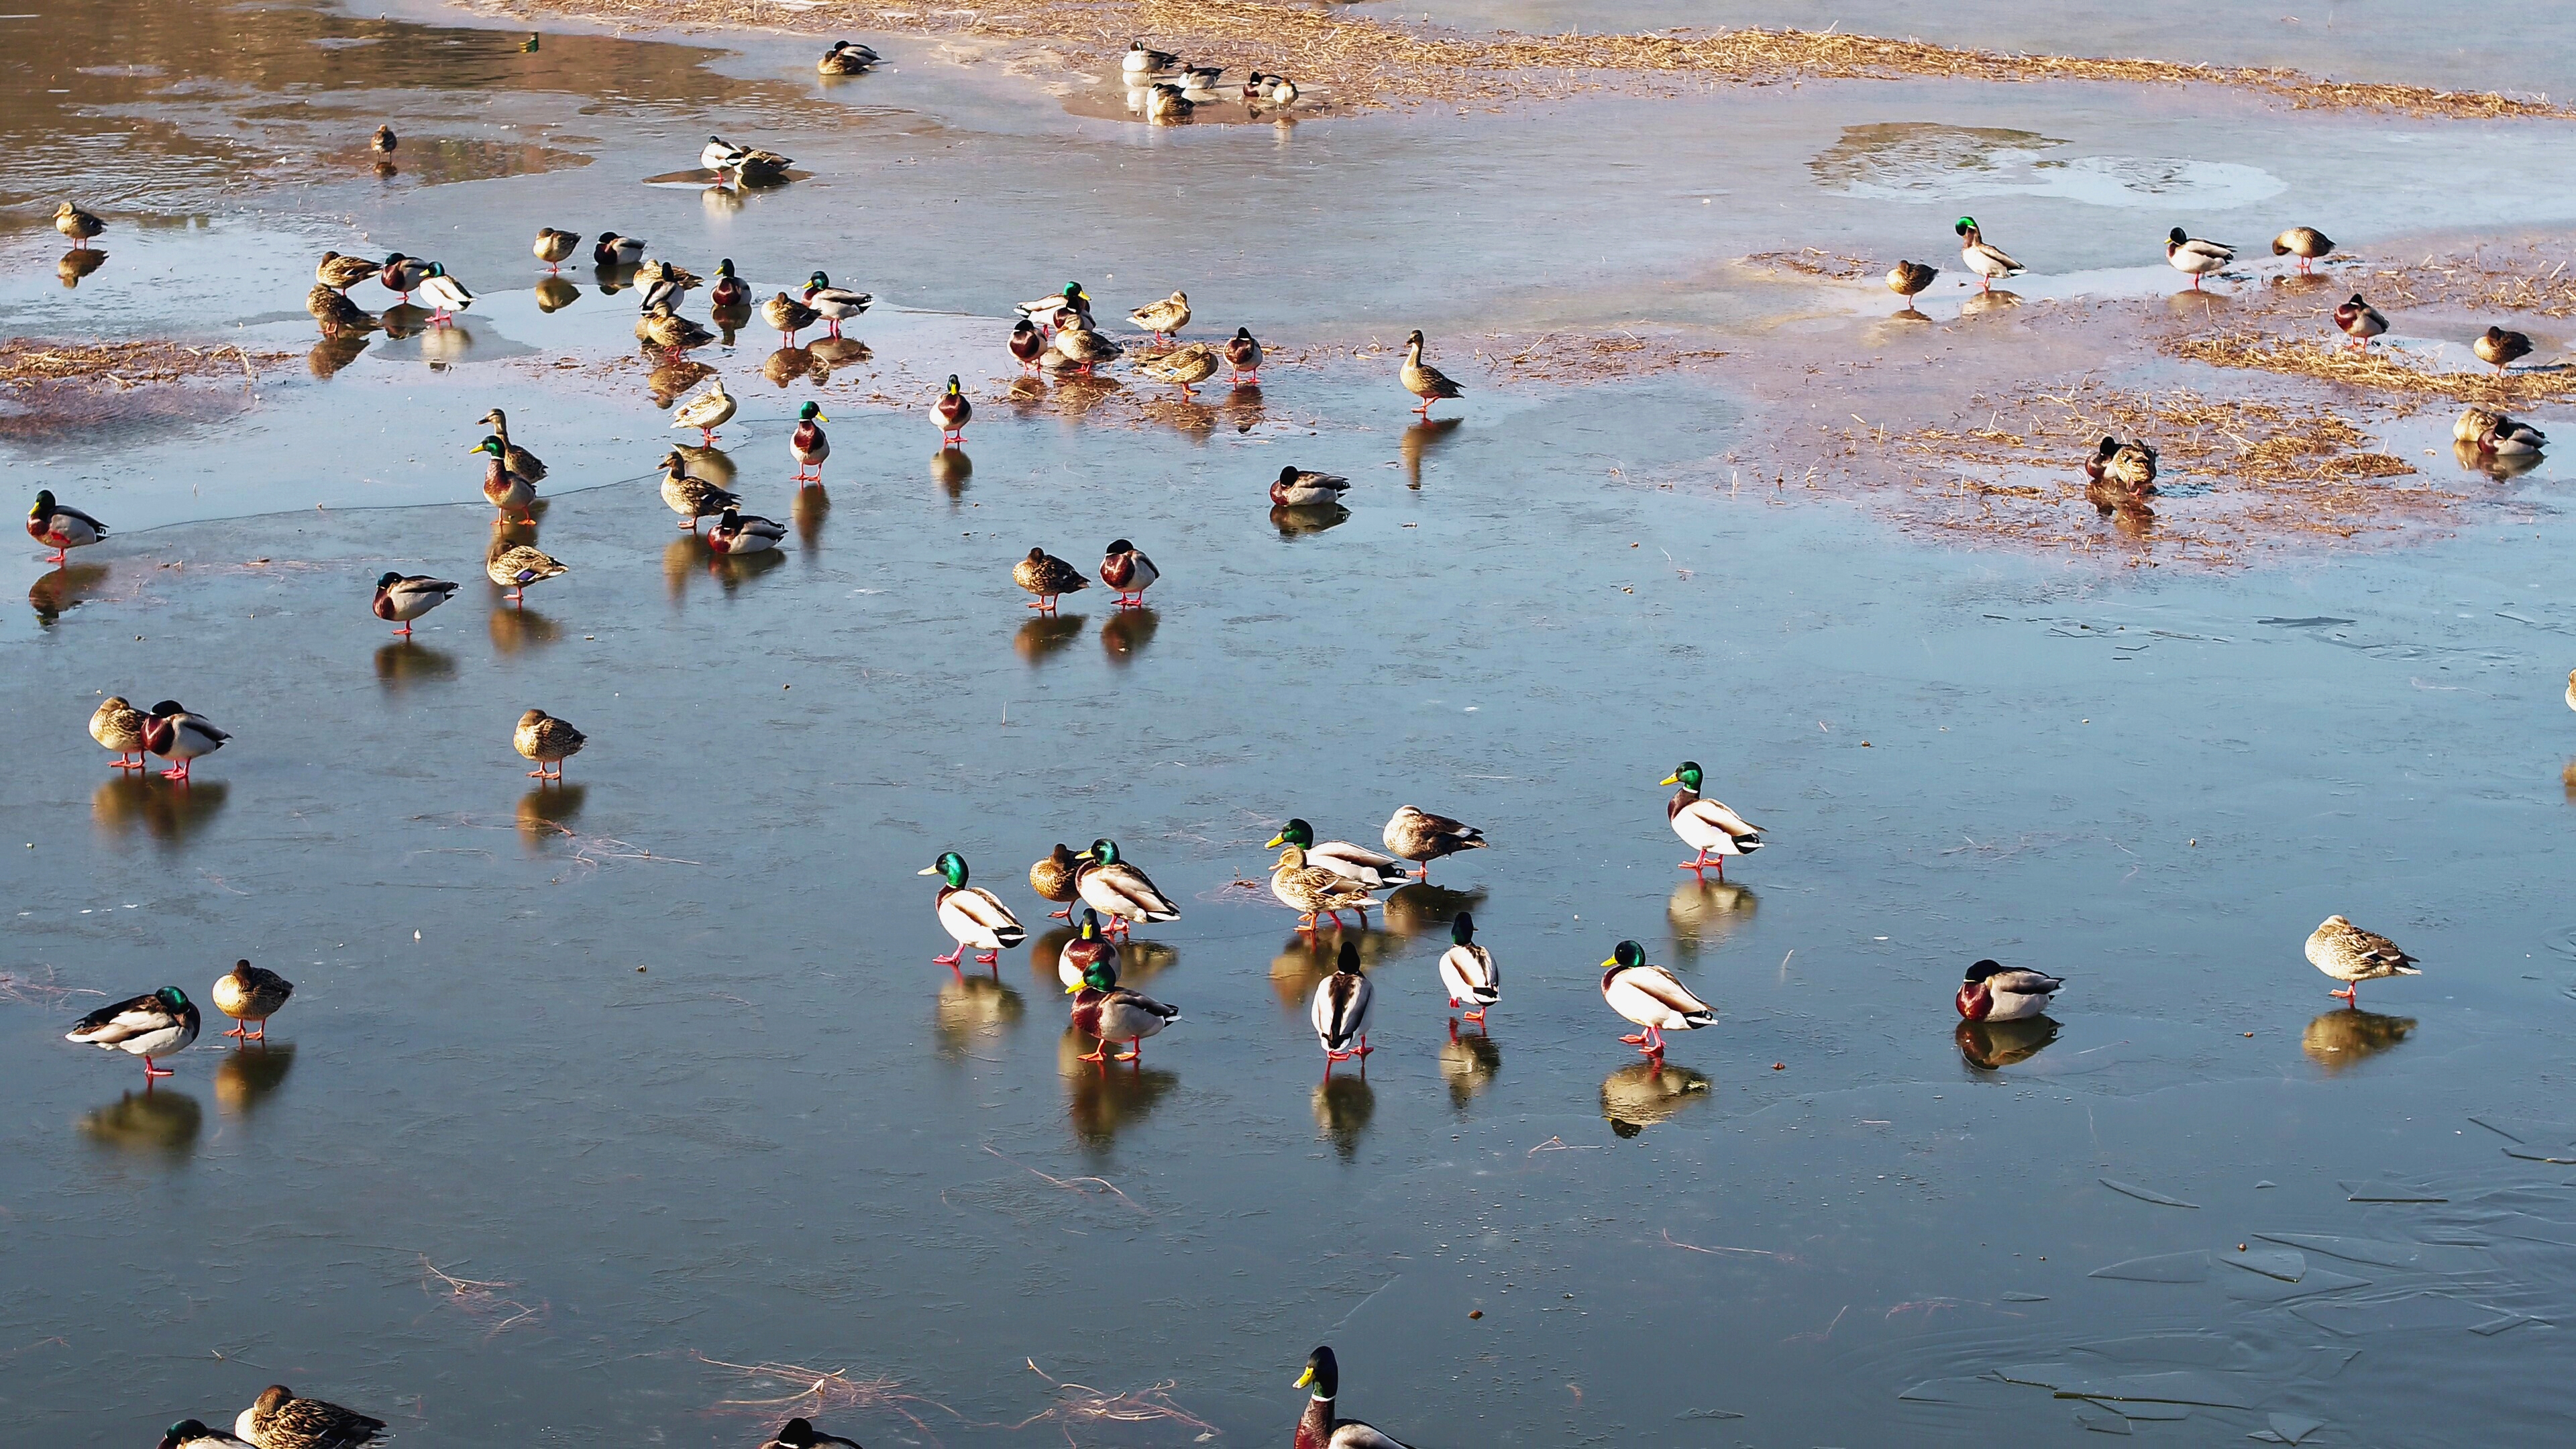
<point>1163,318</point>
<point>522,462</point>
<point>2304,242</point>
<point>514,566</point>
<point>548,741</point>
<point>1422,379</point>
<point>340,273</point>
<point>1080,345</point>
<point>661,327</point>
<point>788,316</point>
<point>250,995</point>
<point>692,498</point>
<point>1119,891</point>
<point>1907,279</point>
<point>845,58</point>
<point>1418,835</point>
<point>1047,576</point>
<point>2494,432</point>
<point>2499,347</point>
<point>1052,878</point>
<point>706,412</point>
<point>338,315</point>
<point>279,1420</point>
<point>1311,890</point>
<point>1111,1012</point>
<point>1372,870</point>
<point>1187,366</point>
<point>971,915</point>
<point>77,224</point>
<point>118,726</point>
<point>2352,956</point>
<point>554,247</point>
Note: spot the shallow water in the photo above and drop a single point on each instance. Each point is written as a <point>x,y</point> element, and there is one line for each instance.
<point>789,1139</point>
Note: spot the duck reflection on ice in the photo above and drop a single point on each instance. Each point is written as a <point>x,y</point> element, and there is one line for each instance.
<point>404,662</point>
<point>1243,407</point>
<point>333,353</point>
<point>788,364</point>
<point>1468,1062</point>
<point>806,513</point>
<point>1126,632</point>
<point>1987,304</point>
<point>733,570</point>
<point>1647,1094</point>
<point>2499,466</point>
<point>77,263</point>
<point>1304,961</point>
<point>249,1073</point>
<point>1993,1045</point>
<point>162,1121</point>
<point>521,629</point>
<point>972,1009</point>
<point>2346,1036</point>
<point>665,384</point>
<point>167,811</point>
<point>547,812</point>
<point>1343,1106</point>
<point>715,465</point>
<point>1313,518</point>
<point>1422,909</point>
<point>555,294</point>
<point>1103,1099</point>
<point>950,468</point>
<point>1046,634</point>
<point>1703,913</point>
<point>1422,438</point>
<point>65,587</point>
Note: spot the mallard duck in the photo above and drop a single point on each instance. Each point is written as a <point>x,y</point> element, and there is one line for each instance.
<point>340,273</point>
<point>77,224</point>
<point>2352,955</point>
<point>1087,949</point>
<point>2131,465</point>
<point>706,412</point>
<point>1317,1428</point>
<point>514,566</point>
<point>554,247</point>
<point>1416,835</point>
<point>735,534</point>
<point>1278,90</point>
<point>1651,997</point>
<point>953,412</point>
<point>971,915</point>
<point>1906,279</point>
<point>548,741</point>
<point>1104,1009</point>
<point>2197,257</point>
<point>613,250</point>
<point>1304,488</point>
<point>445,294</point>
<point>193,1434</point>
<point>118,726</point>
<point>1243,357</point>
<point>660,284</point>
<point>2494,432</point>
<point>1312,890</point>
<point>1187,366</point>
<point>844,58</point>
<point>1141,61</point>
<point>1467,970</point>
<point>251,994</point>
<point>1125,568</point>
<point>1047,576</point>
<point>506,491</point>
<point>2304,242</point>
<point>801,1434</point>
<point>384,142</point>
<point>720,155</point>
<point>171,732</point>
<point>807,445</point>
<point>1340,1009</point>
<point>401,598</point>
<point>519,460</point>
<point>402,274</point>
<point>834,304</point>
<point>2499,347</point>
<point>61,527</point>
<point>2360,320</point>
<point>1422,379</point>
<point>1163,318</point>
<point>692,498</point>
<point>729,291</point>
<point>1027,344</point>
<point>1167,104</point>
<point>1047,313</point>
<point>1372,870</point>
<point>659,326</point>
<point>339,316</point>
<point>1118,890</point>
<point>1990,992</point>
<point>1080,345</point>
<point>788,316</point>
<point>159,1024</point>
<point>1053,879</point>
<point>279,1420</point>
<point>756,167</point>
<point>1706,825</point>
<point>1987,261</point>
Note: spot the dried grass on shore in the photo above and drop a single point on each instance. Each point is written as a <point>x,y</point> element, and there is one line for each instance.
<point>1368,61</point>
<point>2379,369</point>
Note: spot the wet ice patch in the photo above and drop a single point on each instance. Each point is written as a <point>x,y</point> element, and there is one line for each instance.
<point>1925,163</point>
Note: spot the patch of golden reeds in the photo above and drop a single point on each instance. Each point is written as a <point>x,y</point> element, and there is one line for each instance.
<point>2380,369</point>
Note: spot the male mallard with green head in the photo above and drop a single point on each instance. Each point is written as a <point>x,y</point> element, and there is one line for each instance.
<point>1124,567</point>
<point>971,915</point>
<point>173,733</point>
<point>834,304</point>
<point>61,527</point>
<point>736,534</point>
<point>250,995</point>
<point>953,412</point>
<point>807,445</point>
<point>1317,1428</point>
<point>401,598</point>
<point>2195,257</point>
<point>1048,313</point>
<point>1705,824</point>
<point>193,1434</point>
<point>1340,1011</point>
<point>1988,261</point>
<point>1352,862</point>
<point>1119,891</point>
<point>1467,970</point>
<point>1243,356</point>
<point>844,58</point>
<point>1651,997</point>
<point>1112,1013</point>
<point>158,1024</point>
<point>1087,949</point>
<point>507,492</point>
<point>2359,320</point>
